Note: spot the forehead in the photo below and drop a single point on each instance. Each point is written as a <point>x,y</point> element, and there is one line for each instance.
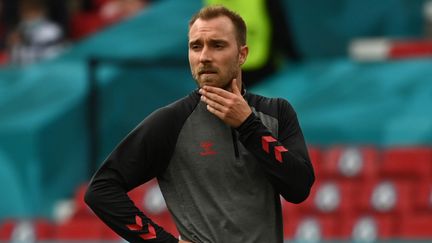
<point>219,27</point>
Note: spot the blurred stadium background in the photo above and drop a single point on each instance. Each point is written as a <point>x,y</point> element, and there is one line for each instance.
<point>360,78</point>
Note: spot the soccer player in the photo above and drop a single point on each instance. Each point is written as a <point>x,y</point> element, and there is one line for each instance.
<point>222,155</point>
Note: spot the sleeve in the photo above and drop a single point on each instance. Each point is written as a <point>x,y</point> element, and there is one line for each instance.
<point>285,159</point>
<point>141,156</point>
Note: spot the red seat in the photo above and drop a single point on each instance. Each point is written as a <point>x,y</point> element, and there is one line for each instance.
<point>367,228</point>
<point>385,197</point>
<point>350,163</point>
<point>84,24</point>
<point>109,235</point>
<point>137,195</point>
<point>423,198</point>
<point>42,228</point>
<point>6,228</point>
<point>80,229</point>
<point>327,197</point>
<point>409,163</point>
<point>4,57</point>
<point>311,228</point>
<point>81,208</point>
<point>166,221</point>
<point>328,202</point>
<point>415,226</point>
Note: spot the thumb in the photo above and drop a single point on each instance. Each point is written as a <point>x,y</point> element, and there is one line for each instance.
<point>235,87</point>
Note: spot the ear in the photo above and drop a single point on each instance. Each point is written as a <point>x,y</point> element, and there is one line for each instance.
<point>243,53</point>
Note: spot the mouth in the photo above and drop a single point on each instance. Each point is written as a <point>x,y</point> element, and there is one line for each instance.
<point>207,71</point>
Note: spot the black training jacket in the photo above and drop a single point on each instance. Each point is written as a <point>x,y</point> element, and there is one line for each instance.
<point>221,184</point>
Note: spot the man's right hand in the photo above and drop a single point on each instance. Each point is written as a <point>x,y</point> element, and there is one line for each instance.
<point>183,241</point>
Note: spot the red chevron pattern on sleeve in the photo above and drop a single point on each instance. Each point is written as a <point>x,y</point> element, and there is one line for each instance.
<point>278,152</point>
<point>266,140</point>
<point>139,225</point>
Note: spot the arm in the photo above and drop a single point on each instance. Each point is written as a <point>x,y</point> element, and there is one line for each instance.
<point>142,155</point>
<point>285,159</point>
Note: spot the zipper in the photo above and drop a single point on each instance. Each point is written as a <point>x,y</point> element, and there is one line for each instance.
<point>235,143</point>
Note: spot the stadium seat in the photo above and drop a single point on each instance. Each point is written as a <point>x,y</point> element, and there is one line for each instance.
<point>6,228</point>
<point>80,229</point>
<point>4,57</point>
<point>44,229</point>
<point>350,163</point>
<point>423,198</point>
<point>367,228</point>
<point>17,229</point>
<point>109,235</point>
<point>415,226</point>
<point>311,228</point>
<point>327,197</point>
<point>409,163</point>
<point>81,208</point>
<point>385,197</point>
<point>328,203</point>
<point>84,24</point>
<point>137,194</point>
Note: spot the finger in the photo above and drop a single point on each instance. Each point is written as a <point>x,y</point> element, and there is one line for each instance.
<point>235,87</point>
<point>215,97</point>
<point>219,91</point>
<point>215,105</point>
<point>215,111</point>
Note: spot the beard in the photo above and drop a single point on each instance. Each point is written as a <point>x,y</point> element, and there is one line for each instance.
<point>212,76</point>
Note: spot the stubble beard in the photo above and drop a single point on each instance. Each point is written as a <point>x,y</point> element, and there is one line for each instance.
<point>220,82</point>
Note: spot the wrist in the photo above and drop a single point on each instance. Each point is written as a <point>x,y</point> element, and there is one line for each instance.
<point>246,123</point>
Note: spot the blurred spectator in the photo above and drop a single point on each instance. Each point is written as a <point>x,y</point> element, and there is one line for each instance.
<point>91,16</point>
<point>58,12</point>
<point>269,36</point>
<point>114,10</point>
<point>2,34</point>
<point>7,19</point>
<point>36,37</point>
<point>427,13</point>
<point>281,45</point>
<point>8,14</point>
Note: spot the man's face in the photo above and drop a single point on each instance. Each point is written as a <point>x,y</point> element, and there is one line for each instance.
<point>214,55</point>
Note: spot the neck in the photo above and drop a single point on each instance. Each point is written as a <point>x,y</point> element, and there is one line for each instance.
<point>239,83</point>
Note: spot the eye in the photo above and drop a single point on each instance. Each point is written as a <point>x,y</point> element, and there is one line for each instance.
<point>219,45</point>
<point>195,47</point>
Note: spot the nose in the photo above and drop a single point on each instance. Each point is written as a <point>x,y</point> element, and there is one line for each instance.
<point>205,55</point>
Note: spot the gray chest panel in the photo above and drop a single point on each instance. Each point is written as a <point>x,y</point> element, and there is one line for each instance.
<point>213,195</point>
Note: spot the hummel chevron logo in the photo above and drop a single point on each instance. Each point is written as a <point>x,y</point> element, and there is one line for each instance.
<point>278,150</point>
<point>208,150</point>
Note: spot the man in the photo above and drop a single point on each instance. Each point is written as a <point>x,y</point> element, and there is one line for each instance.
<point>222,156</point>
<point>36,37</point>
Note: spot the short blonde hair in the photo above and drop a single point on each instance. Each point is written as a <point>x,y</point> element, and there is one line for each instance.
<point>214,11</point>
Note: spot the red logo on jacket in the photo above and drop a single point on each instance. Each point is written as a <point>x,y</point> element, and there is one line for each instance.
<point>208,150</point>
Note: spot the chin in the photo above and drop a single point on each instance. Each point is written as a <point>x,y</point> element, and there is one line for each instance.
<point>208,83</point>
<point>213,83</point>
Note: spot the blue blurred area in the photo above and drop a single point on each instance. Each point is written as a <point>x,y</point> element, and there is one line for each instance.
<point>323,29</point>
<point>341,101</point>
<point>44,131</point>
<point>45,138</point>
